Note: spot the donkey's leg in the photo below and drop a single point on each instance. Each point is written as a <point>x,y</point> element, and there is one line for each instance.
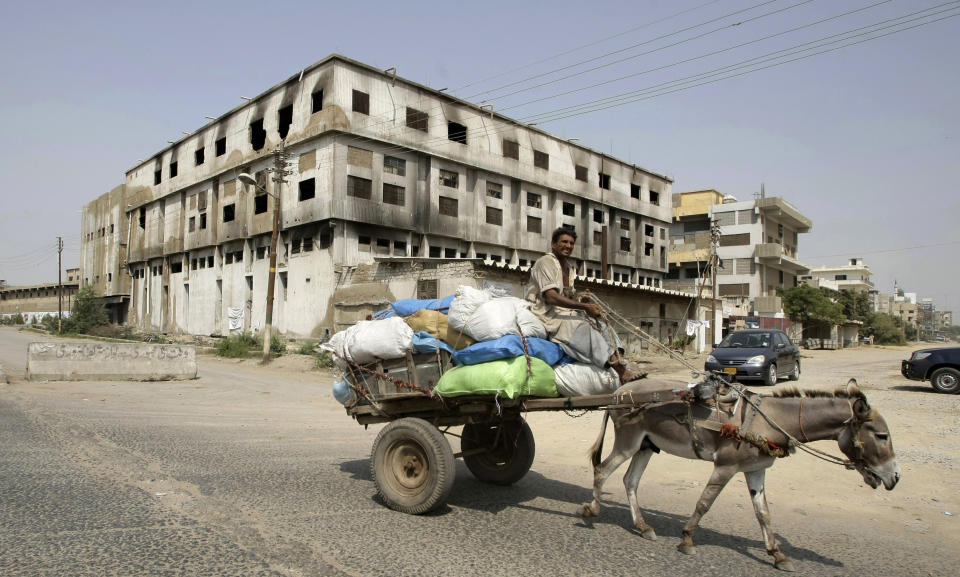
<point>718,480</point>
<point>755,482</point>
<point>627,441</point>
<point>630,481</point>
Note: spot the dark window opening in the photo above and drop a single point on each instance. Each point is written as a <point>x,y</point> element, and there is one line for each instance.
<point>399,247</point>
<point>359,187</point>
<point>363,243</point>
<point>663,310</point>
<point>361,102</point>
<point>654,197</point>
<point>533,224</point>
<point>625,223</point>
<point>192,224</point>
<point>307,244</point>
<point>203,221</point>
<point>173,169</point>
<point>634,191</point>
<point>625,243</point>
<point>221,146</point>
<point>284,120</point>
<point>229,211</point>
<point>258,136</point>
<point>457,132</point>
<point>316,101</point>
<point>228,258</point>
<point>598,215</point>
<point>193,264</point>
<point>261,252</point>
<point>397,166</point>
<point>648,230</point>
<point>308,189</point>
<point>295,246</point>
<point>494,216</point>
<point>450,253</point>
<point>427,289</point>
<point>494,190</point>
<point>449,178</point>
<point>597,237</point>
<point>326,237</point>
<point>604,181</point>
<point>569,209</point>
<point>648,249</point>
<point>435,252</point>
<point>210,261</point>
<point>142,217</point>
<point>482,255</point>
<point>511,149</point>
<point>157,175</point>
<point>417,119</point>
<point>533,200</point>
<point>198,157</point>
<point>202,201</point>
<point>541,159</point>
<point>393,194</point>
<point>448,206</point>
<point>260,204</point>
<point>496,257</point>
<point>569,227</point>
<point>581,173</point>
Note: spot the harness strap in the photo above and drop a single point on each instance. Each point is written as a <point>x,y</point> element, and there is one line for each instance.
<point>802,432</point>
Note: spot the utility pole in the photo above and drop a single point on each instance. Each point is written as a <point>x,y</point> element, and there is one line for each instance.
<point>714,261</point>
<point>59,285</point>
<point>280,171</point>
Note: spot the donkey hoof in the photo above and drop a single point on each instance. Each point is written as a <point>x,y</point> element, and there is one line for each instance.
<point>686,549</point>
<point>649,534</point>
<point>588,511</point>
<point>785,565</point>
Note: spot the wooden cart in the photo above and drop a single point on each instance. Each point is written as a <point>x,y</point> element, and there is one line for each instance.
<point>412,462</point>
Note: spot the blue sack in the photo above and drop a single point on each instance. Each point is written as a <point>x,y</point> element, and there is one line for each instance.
<point>407,307</point>
<point>508,347</point>
<point>424,342</point>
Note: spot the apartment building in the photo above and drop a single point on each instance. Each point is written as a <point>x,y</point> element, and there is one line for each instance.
<point>853,276</point>
<point>757,249</point>
<point>380,167</point>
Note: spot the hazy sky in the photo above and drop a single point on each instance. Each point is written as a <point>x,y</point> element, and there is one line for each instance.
<point>862,139</point>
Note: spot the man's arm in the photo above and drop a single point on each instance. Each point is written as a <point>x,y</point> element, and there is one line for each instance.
<point>554,298</point>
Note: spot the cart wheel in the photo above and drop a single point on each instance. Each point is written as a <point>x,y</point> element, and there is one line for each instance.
<point>413,466</point>
<point>501,459</point>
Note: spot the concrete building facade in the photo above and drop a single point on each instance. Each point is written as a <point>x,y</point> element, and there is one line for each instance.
<point>34,302</point>
<point>853,276</point>
<point>380,166</point>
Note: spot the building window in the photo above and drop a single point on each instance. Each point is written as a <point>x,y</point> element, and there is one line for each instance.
<point>221,146</point>
<point>625,223</point>
<point>396,166</point>
<point>173,169</point>
<point>261,252</point>
<point>361,102</point>
<point>210,261</point>
<point>569,209</point>
<point>598,215</point>
<point>203,221</point>
<point>295,246</point>
<point>449,178</point>
<point>735,239</point>
<point>435,252</point>
<point>533,200</point>
<point>228,212</point>
<point>393,194</point>
<point>604,181</point>
<point>654,197</point>
<point>359,157</point>
<point>457,132</point>
<point>648,249</point>
<point>663,257</point>
<point>359,187</point>
<point>494,216</point>
<point>541,160</point>
<point>142,217</point>
<point>581,172</point>
<point>193,264</point>
<point>448,206</point>
<point>663,233</point>
<point>494,189</point>
<point>511,149</point>
<point>569,227</point>
<point>316,101</point>
<point>427,289</point>
<point>417,119</point>
<point>260,204</point>
<point>634,191</point>
<point>534,224</point>
<point>307,243</point>
<point>399,247</point>
<point>284,120</point>
<point>258,136</point>
<point>157,176</point>
<point>835,277</point>
<point>625,243</point>
<point>450,253</point>
<point>648,230</point>
<point>308,190</point>
<point>192,224</point>
<point>198,157</point>
<point>363,243</point>
<point>597,237</point>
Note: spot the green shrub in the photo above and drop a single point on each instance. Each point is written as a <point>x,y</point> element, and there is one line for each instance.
<point>324,360</point>
<point>88,312</point>
<point>278,345</point>
<point>234,347</point>
<point>306,348</point>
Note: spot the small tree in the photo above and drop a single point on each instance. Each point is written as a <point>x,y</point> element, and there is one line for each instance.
<point>87,312</point>
<point>884,328</point>
<point>856,305</point>
<point>811,306</point>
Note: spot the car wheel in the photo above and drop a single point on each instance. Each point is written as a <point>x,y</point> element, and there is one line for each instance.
<point>771,377</point>
<point>795,373</point>
<point>946,380</point>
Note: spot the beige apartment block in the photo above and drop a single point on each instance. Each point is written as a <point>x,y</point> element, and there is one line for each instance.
<point>380,167</point>
<point>853,276</point>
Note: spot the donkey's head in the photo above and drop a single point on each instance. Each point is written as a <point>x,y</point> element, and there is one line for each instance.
<point>865,440</point>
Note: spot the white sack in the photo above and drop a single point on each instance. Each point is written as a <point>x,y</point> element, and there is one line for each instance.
<point>499,317</point>
<point>369,341</point>
<point>578,379</point>
<point>464,304</point>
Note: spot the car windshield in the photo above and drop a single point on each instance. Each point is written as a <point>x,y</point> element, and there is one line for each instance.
<point>747,340</point>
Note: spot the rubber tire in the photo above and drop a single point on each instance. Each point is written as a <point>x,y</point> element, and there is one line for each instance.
<point>795,373</point>
<point>508,461</point>
<point>770,379</point>
<point>946,380</point>
<point>413,466</point>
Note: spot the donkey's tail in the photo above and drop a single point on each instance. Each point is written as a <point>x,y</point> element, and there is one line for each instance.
<point>597,447</point>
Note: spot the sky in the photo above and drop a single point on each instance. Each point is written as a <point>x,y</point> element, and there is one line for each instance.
<point>726,94</point>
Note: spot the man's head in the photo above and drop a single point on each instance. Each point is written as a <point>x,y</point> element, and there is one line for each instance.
<point>562,241</point>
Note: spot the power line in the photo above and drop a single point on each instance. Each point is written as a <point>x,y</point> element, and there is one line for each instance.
<point>886,250</point>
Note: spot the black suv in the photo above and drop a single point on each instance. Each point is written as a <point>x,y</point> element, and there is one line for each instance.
<point>756,354</point>
<point>940,366</point>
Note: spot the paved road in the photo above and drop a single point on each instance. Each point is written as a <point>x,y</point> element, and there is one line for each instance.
<point>250,471</point>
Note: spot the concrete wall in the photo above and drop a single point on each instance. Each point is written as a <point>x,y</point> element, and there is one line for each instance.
<point>110,361</point>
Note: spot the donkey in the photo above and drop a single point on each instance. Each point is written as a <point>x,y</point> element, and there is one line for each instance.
<point>754,435</point>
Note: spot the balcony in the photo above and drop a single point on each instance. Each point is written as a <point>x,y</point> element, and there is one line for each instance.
<point>771,253</point>
<point>767,305</point>
<point>787,213</point>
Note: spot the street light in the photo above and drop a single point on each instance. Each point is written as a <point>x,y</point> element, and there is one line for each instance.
<point>271,279</point>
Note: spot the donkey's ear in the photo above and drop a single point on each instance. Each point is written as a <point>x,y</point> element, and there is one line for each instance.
<point>861,408</point>
<point>853,389</point>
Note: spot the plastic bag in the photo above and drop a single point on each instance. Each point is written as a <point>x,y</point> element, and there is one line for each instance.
<point>578,379</point>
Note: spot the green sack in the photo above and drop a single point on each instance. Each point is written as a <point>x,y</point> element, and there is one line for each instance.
<point>507,377</point>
